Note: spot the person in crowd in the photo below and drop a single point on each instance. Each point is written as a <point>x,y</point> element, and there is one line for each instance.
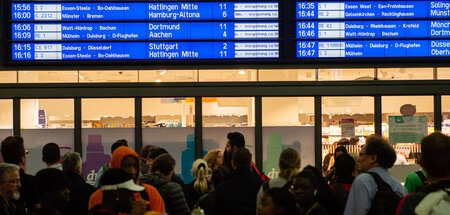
<point>328,160</point>
<point>51,156</point>
<point>157,152</point>
<point>435,160</point>
<point>207,201</point>
<point>415,180</point>
<point>145,152</point>
<point>355,158</point>
<point>344,167</point>
<point>9,188</point>
<point>200,185</point>
<point>354,141</point>
<point>305,188</point>
<point>214,158</point>
<point>118,190</point>
<point>289,164</point>
<point>13,151</point>
<point>238,195</point>
<point>331,173</point>
<point>277,201</point>
<point>163,168</point>
<point>114,146</point>
<point>376,156</point>
<point>53,191</point>
<point>80,191</point>
<point>344,142</point>
<point>236,141</point>
<point>128,160</point>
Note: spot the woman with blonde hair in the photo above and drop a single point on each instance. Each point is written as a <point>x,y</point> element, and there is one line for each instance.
<point>200,185</point>
<point>289,165</point>
<point>214,158</point>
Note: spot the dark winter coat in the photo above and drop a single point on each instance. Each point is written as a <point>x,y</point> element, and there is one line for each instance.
<point>80,192</point>
<point>171,192</point>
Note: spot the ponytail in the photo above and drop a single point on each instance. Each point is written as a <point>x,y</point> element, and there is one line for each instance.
<point>199,171</point>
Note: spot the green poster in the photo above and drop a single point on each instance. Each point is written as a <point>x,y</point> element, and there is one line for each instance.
<point>407,129</point>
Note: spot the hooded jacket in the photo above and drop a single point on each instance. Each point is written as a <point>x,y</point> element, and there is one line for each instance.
<point>171,192</point>
<point>156,203</point>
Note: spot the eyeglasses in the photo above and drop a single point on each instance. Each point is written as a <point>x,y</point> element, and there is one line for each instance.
<point>14,181</point>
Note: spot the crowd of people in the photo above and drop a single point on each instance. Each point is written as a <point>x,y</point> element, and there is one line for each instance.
<point>226,182</point>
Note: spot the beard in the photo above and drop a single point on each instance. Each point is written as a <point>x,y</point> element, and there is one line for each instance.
<point>16,196</point>
<point>227,156</point>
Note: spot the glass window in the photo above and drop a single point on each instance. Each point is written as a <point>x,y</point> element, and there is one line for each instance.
<point>48,76</point>
<point>169,123</point>
<point>346,74</point>
<point>6,119</point>
<point>345,117</point>
<point>8,76</point>
<point>167,75</point>
<point>227,75</point>
<point>44,121</point>
<point>108,76</point>
<point>104,122</point>
<point>405,74</point>
<point>443,73</point>
<point>288,122</point>
<point>287,75</point>
<point>395,110</point>
<point>223,115</point>
<point>446,115</point>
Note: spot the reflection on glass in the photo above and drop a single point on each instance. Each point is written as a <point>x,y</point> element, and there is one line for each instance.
<point>108,113</point>
<point>227,75</point>
<point>46,113</point>
<point>8,76</point>
<point>167,75</point>
<point>346,74</point>
<point>443,73</point>
<point>6,114</point>
<point>168,112</point>
<point>405,73</point>
<point>286,75</point>
<point>412,112</point>
<point>68,76</point>
<point>228,112</point>
<point>109,76</point>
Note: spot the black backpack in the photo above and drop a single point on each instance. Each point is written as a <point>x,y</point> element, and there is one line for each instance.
<point>386,200</point>
<point>341,194</point>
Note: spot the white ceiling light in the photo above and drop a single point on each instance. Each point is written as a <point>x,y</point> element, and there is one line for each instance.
<point>241,72</point>
<point>158,80</point>
<point>163,72</point>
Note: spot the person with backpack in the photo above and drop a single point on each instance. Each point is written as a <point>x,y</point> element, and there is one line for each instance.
<point>415,180</point>
<point>289,164</point>
<point>435,160</point>
<point>344,168</point>
<point>375,191</point>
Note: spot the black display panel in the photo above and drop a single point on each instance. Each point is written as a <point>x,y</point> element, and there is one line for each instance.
<point>150,32</point>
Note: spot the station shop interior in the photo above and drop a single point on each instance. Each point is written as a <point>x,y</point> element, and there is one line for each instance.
<point>189,112</point>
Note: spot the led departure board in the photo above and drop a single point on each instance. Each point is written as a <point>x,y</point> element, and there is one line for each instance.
<point>189,30</point>
<point>372,29</point>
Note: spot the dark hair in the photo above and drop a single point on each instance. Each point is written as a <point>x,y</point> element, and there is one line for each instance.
<point>325,195</point>
<point>236,139</point>
<point>343,142</point>
<point>344,165</point>
<point>145,151</point>
<point>378,146</point>
<point>12,149</point>
<point>436,155</point>
<point>340,149</point>
<point>118,143</point>
<point>157,152</point>
<point>114,176</point>
<point>219,175</point>
<point>284,199</point>
<point>50,153</point>
<point>242,158</point>
<point>164,164</point>
<point>51,179</point>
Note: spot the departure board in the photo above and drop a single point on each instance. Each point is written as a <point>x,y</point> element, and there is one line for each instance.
<point>372,29</point>
<point>120,30</point>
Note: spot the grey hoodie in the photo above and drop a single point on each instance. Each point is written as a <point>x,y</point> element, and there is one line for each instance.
<point>171,192</point>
